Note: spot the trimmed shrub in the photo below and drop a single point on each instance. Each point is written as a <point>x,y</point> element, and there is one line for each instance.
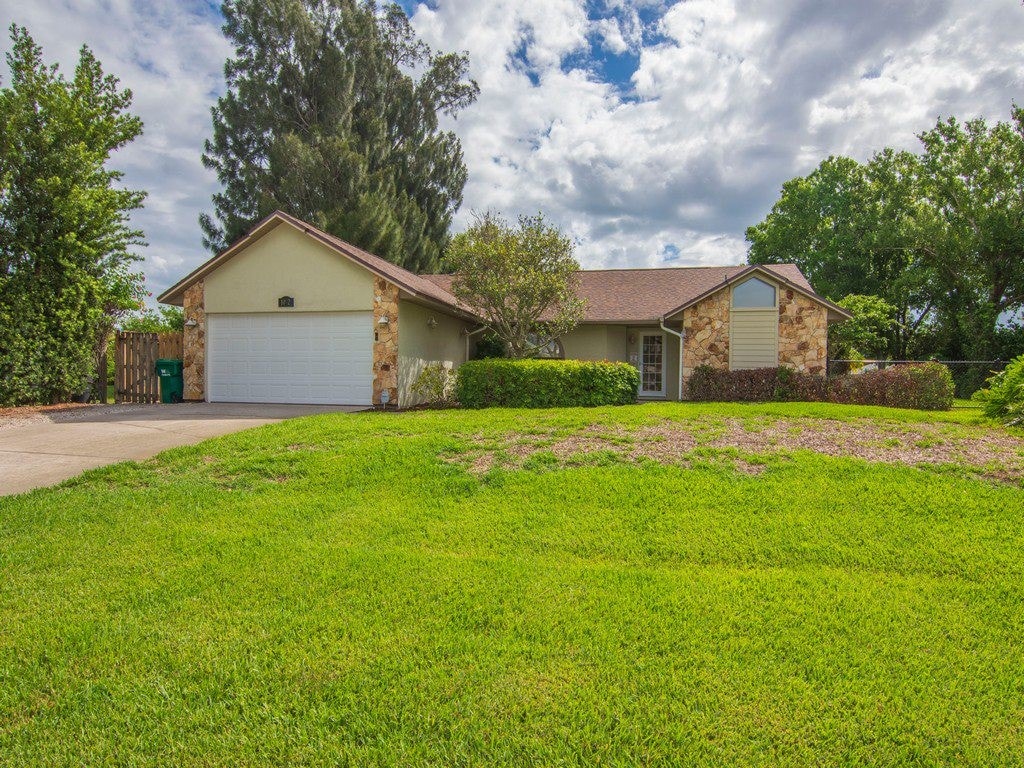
<point>754,385</point>
<point>926,386</point>
<point>435,385</point>
<point>545,383</point>
<point>1004,397</point>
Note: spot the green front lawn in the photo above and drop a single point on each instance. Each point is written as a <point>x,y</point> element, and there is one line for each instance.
<point>670,584</point>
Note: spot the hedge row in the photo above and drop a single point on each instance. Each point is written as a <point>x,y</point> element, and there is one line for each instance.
<point>926,386</point>
<point>545,383</point>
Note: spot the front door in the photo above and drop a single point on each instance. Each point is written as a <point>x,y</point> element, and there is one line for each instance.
<point>652,365</point>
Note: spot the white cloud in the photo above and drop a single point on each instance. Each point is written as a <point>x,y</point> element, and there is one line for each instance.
<point>729,99</point>
<point>171,54</point>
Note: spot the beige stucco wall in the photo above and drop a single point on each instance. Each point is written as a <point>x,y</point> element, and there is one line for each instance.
<point>590,342</point>
<point>419,345</point>
<point>286,262</point>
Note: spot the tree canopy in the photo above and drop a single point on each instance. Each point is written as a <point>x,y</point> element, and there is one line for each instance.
<point>65,236</point>
<point>520,277</point>
<point>332,115</point>
<point>938,234</point>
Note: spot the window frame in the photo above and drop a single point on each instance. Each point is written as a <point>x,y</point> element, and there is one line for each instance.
<point>773,286</point>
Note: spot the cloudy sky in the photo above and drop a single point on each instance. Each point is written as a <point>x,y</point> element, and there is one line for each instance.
<point>654,131</point>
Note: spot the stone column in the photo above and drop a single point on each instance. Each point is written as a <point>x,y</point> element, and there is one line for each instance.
<point>803,333</point>
<point>706,333</point>
<point>194,341</point>
<point>385,341</point>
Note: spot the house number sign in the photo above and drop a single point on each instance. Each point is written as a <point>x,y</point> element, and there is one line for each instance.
<point>286,301</point>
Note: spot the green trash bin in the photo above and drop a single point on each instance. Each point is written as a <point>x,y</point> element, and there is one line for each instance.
<point>172,380</point>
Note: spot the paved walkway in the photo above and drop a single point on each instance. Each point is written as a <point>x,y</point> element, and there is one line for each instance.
<point>46,448</point>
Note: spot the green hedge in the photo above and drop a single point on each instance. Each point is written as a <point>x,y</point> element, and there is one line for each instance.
<point>926,386</point>
<point>545,383</point>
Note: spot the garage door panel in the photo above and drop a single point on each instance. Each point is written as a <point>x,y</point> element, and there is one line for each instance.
<point>290,358</point>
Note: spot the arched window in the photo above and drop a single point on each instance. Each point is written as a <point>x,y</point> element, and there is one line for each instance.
<point>753,294</point>
<point>553,350</point>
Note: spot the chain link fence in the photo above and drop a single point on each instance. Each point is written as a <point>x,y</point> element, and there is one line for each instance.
<point>968,375</point>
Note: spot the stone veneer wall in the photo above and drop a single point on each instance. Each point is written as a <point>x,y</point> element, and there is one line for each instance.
<point>803,333</point>
<point>706,333</point>
<point>385,341</point>
<point>194,341</point>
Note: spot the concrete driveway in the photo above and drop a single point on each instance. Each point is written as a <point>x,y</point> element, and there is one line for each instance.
<point>43,449</point>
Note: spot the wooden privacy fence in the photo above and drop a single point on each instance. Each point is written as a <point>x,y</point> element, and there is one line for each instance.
<point>135,379</point>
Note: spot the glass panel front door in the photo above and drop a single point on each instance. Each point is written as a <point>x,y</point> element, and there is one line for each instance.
<point>652,364</point>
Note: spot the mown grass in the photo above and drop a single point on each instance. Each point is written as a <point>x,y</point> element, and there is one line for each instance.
<point>334,590</point>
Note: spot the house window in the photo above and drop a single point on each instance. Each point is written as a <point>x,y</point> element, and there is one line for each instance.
<point>753,294</point>
<point>553,350</point>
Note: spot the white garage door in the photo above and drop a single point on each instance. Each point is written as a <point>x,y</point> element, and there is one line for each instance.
<point>310,357</point>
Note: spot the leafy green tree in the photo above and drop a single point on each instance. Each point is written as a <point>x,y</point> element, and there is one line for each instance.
<point>323,119</point>
<point>972,176</point>
<point>65,237</point>
<point>520,278</point>
<point>165,319</point>
<point>868,334</point>
<point>850,228</point>
<point>939,234</point>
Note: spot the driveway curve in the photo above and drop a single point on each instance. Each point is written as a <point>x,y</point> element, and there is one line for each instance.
<point>42,449</point>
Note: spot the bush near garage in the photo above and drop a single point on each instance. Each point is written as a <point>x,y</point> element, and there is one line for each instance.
<point>545,383</point>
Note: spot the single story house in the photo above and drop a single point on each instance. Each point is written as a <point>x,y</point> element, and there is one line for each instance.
<point>291,314</point>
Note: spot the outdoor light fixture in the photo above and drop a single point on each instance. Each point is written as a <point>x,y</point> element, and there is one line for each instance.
<point>632,338</point>
<point>191,323</point>
<point>383,320</point>
<point>431,322</point>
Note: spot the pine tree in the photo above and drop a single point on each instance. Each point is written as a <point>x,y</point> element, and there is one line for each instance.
<point>322,119</point>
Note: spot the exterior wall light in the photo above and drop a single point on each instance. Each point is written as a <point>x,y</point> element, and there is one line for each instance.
<point>431,322</point>
<point>383,320</point>
<point>191,323</point>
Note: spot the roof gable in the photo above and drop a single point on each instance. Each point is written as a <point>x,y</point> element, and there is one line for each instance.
<point>412,284</point>
<point>612,295</point>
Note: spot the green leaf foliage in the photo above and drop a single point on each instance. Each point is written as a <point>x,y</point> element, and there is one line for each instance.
<point>939,235</point>
<point>545,383</point>
<point>324,119</point>
<point>1003,399</point>
<point>521,279</point>
<point>866,335</point>
<point>924,386</point>
<point>165,319</point>
<point>65,237</point>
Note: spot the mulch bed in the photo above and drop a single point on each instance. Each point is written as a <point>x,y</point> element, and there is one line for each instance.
<point>987,452</point>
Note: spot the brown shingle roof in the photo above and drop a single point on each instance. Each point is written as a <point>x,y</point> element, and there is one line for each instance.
<point>634,295</point>
<point>612,295</point>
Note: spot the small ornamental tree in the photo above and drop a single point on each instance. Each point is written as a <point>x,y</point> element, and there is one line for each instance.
<point>867,333</point>
<point>521,278</point>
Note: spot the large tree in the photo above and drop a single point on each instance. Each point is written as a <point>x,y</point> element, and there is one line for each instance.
<point>849,228</point>
<point>521,278</point>
<point>65,236</point>
<point>972,178</point>
<point>938,234</point>
<point>331,114</point>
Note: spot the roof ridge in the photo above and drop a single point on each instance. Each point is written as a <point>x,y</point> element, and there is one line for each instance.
<point>648,269</point>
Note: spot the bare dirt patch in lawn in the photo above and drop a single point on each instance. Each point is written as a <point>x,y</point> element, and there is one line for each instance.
<point>989,452</point>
